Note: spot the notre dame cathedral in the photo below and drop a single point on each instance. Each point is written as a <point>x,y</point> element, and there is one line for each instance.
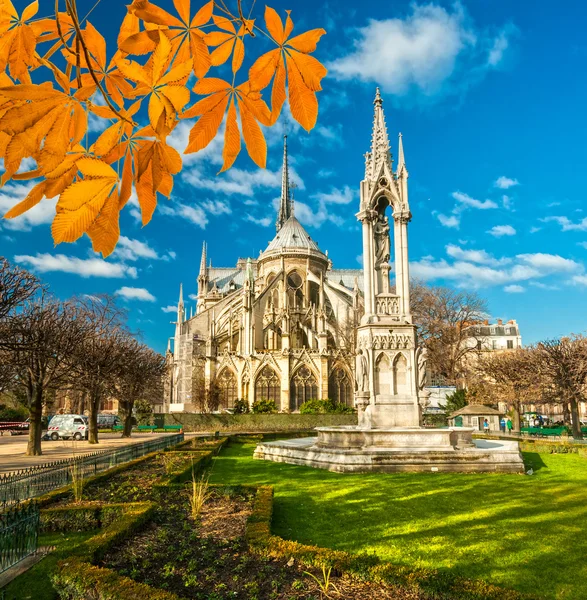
<point>278,327</point>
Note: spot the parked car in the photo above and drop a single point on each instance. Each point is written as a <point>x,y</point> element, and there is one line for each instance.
<point>67,427</point>
<point>107,421</point>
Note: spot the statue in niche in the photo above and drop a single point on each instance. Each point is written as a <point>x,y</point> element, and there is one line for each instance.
<point>361,373</point>
<point>382,241</point>
<point>422,360</point>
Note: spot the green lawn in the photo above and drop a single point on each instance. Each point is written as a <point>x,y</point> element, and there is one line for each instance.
<point>523,532</point>
<point>35,584</point>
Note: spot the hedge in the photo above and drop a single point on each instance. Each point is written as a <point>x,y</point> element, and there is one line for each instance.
<point>81,517</point>
<point>255,423</point>
<point>436,582</point>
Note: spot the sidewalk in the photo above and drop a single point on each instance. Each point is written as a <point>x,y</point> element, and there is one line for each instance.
<point>13,448</point>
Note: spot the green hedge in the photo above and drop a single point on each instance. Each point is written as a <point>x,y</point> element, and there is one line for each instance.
<point>256,423</point>
<point>81,517</point>
<point>548,447</point>
<point>436,582</point>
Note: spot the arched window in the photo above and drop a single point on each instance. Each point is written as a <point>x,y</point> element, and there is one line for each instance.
<point>295,284</point>
<point>246,381</point>
<point>340,388</point>
<point>267,385</point>
<point>400,372</point>
<point>383,375</point>
<point>228,389</point>
<point>303,386</point>
<point>272,338</point>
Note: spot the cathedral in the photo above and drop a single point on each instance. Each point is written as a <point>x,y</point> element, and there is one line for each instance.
<point>283,326</point>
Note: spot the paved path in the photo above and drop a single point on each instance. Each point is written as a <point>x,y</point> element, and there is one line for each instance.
<point>13,448</point>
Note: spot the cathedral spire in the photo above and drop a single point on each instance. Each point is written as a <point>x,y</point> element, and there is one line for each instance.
<point>180,306</point>
<point>286,203</point>
<point>203,260</point>
<point>380,150</point>
<point>401,163</point>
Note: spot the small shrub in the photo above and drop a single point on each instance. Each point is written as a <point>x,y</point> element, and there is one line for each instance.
<point>264,406</point>
<point>241,407</point>
<point>199,495</point>
<point>324,407</point>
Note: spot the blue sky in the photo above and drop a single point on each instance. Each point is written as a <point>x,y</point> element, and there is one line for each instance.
<point>490,98</point>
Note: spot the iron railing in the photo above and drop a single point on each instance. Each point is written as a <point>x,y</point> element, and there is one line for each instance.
<point>35,481</point>
<point>19,534</point>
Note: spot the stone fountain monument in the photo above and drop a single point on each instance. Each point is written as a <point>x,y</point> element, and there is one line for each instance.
<point>390,365</point>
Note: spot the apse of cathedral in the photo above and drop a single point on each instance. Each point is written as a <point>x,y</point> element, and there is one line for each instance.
<point>278,327</point>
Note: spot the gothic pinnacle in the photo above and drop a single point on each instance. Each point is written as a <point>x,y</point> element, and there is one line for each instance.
<point>285,205</point>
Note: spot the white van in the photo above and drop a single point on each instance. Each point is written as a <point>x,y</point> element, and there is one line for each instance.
<point>68,426</point>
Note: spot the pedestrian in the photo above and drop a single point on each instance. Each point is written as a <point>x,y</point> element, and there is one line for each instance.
<point>485,425</point>
<point>510,425</point>
<point>502,424</point>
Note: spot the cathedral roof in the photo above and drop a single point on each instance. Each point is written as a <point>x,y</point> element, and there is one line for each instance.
<point>292,235</point>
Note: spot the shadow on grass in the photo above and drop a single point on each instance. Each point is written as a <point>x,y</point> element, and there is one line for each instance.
<point>524,532</point>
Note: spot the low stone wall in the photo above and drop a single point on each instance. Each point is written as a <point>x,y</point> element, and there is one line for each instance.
<point>254,423</point>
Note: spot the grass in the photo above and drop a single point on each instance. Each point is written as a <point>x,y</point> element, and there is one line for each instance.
<point>35,584</point>
<point>524,532</point>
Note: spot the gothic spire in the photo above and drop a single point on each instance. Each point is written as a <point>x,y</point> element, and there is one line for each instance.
<point>286,203</point>
<point>180,306</point>
<point>203,260</point>
<point>401,163</point>
<point>380,150</point>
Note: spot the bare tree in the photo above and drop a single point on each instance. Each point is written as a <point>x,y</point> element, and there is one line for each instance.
<point>139,377</point>
<point>40,341</point>
<point>561,369</point>
<point>511,378</point>
<point>16,286</point>
<point>446,320</point>
<point>97,358</point>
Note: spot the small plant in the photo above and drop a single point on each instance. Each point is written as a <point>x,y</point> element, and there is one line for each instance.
<point>199,495</point>
<point>77,476</point>
<point>264,406</point>
<point>322,407</point>
<point>325,584</point>
<point>241,407</point>
<point>168,461</point>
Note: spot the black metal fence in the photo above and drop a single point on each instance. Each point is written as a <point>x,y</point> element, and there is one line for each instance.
<point>19,534</point>
<point>35,481</point>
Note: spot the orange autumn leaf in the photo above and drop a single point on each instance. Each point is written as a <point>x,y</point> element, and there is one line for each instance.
<point>304,72</point>
<point>229,42</point>
<point>185,34</point>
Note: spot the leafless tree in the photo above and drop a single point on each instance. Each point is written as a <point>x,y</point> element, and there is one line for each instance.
<point>97,358</point>
<point>510,377</point>
<point>446,320</point>
<point>40,341</point>
<point>139,377</point>
<point>16,286</point>
<point>561,369</point>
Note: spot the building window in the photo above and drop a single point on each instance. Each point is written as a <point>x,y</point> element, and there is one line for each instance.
<point>340,388</point>
<point>494,344</point>
<point>267,386</point>
<point>228,389</point>
<point>479,345</point>
<point>510,344</point>
<point>303,387</point>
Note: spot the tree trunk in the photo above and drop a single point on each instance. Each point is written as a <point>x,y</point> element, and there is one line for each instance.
<point>94,406</point>
<point>516,423</point>
<point>36,422</point>
<point>566,415</point>
<point>575,422</point>
<point>126,410</point>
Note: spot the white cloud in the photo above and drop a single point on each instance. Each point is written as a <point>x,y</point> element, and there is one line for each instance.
<point>493,271</point>
<point>476,256</point>
<point>535,229</point>
<point>500,45</point>
<point>193,214</point>
<point>501,230</point>
<point>568,225</point>
<point>133,293</point>
<point>337,196</point>
<point>89,267</point>
<point>263,221</point>
<point>216,207</point>
<point>132,250</point>
<point>169,309</point>
<point>466,200</point>
<point>580,280</point>
<point>432,50</point>
<point>506,202</point>
<point>514,289</point>
<point>583,244</point>
<point>505,183</point>
<point>452,221</point>
<point>41,214</point>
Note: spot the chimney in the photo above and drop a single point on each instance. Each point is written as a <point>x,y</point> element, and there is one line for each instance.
<point>499,322</point>
<point>486,322</point>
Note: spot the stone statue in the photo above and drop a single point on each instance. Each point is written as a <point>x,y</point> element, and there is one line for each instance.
<point>422,359</point>
<point>382,241</point>
<point>361,373</point>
